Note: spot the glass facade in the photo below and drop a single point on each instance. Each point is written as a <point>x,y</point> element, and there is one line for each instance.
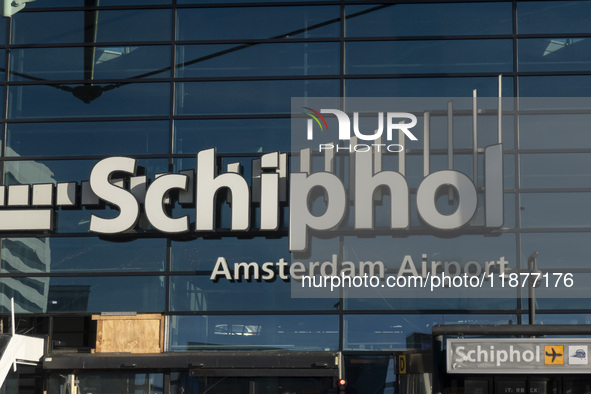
<point>160,80</point>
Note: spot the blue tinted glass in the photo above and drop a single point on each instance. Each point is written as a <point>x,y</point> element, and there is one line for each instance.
<point>232,135</point>
<point>32,64</point>
<point>458,304</point>
<point>461,249</point>
<point>71,138</point>
<point>428,19</point>
<point>257,22</point>
<point>65,254</point>
<point>247,97</point>
<point>3,27</point>
<point>437,56</point>
<point>257,59</point>
<point>382,332</point>
<point>201,254</point>
<point>111,26</point>
<point>427,87</point>
<point>554,54</point>
<point>555,170</point>
<point>84,294</point>
<point>200,293</point>
<point>554,210</point>
<point>555,86</point>
<point>539,131</point>
<point>557,250</point>
<point>97,100</point>
<point>547,17</point>
<point>51,171</point>
<point>293,332</point>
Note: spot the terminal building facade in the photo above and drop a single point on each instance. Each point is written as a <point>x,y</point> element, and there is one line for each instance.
<point>157,82</point>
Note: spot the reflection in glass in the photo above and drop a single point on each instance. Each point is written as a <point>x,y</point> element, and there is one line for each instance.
<point>552,210</point>
<point>401,332</point>
<point>557,250</point>
<point>87,254</point>
<point>54,101</point>
<point>84,294</point>
<point>290,332</point>
<point>549,17</point>
<point>428,87</point>
<point>202,254</point>
<point>71,138</point>
<point>555,86</point>
<point>102,382</point>
<point>111,26</point>
<point>247,97</point>
<point>428,19</point>
<point>257,59</point>
<point>539,131</point>
<point>200,293</point>
<point>114,62</point>
<point>554,54</point>
<point>555,170</point>
<point>437,56</point>
<point>232,135</point>
<point>257,22</point>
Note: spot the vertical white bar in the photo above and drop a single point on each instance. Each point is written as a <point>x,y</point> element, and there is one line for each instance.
<point>475,137</point>
<point>500,110</point>
<point>402,153</point>
<point>450,135</point>
<point>450,143</point>
<point>305,161</point>
<point>426,144</point>
<point>13,331</point>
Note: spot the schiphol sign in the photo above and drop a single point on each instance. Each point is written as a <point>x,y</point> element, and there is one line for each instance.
<point>518,355</point>
<point>117,182</point>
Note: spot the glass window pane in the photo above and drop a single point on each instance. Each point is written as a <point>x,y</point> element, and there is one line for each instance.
<point>71,138</point>
<point>555,170</point>
<point>401,332</point>
<point>247,97</point>
<point>555,86</point>
<point>547,17</point>
<point>437,56</point>
<point>200,293</point>
<point>427,87</point>
<point>81,254</point>
<point>428,19</point>
<point>84,294</point>
<point>112,26</point>
<point>257,22</point>
<point>289,332</point>
<point>202,254</point>
<point>557,250</point>
<point>554,54</point>
<point>232,135</point>
<point>32,64</point>
<point>47,101</point>
<point>552,210</point>
<point>257,59</point>
<point>540,131</point>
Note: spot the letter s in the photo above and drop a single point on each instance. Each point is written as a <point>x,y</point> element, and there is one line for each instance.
<point>100,184</point>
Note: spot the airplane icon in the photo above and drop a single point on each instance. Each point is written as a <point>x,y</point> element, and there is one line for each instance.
<point>553,355</point>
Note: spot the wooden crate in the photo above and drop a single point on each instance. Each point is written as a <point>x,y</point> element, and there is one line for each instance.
<point>129,334</point>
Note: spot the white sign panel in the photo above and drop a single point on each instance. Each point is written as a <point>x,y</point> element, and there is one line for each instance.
<point>518,356</point>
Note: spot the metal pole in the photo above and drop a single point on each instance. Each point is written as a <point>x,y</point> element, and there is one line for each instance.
<point>532,266</point>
